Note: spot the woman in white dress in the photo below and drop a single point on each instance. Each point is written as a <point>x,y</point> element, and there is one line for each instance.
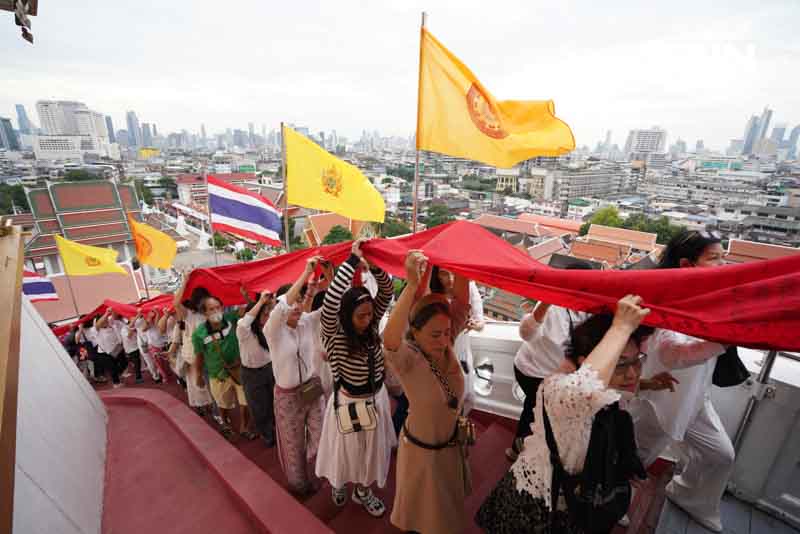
<point>188,320</point>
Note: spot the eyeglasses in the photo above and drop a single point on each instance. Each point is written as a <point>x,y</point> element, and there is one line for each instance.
<point>622,366</point>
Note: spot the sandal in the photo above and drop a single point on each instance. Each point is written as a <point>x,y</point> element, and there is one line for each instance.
<point>227,432</point>
<point>248,435</point>
<point>339,496</point>
<point>373,505</point>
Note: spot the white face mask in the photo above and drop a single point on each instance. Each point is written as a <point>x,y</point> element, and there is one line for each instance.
<point>216,317</point>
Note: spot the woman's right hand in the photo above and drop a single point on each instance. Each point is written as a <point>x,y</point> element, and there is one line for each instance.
<point>416,263</point>
<point>356,248</point>
<point>629,314</point>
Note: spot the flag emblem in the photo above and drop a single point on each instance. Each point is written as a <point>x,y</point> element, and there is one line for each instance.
<point>483,114</point>
<point>143,246</point>
<point>332,180</point>
<point>91,261</point>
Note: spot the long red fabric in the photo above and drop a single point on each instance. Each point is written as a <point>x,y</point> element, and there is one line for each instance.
<point>126,310</point>
<point>753,304</point>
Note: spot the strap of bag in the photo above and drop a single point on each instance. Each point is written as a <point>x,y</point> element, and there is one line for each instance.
<point>452,398</point>
<point>555,461</point>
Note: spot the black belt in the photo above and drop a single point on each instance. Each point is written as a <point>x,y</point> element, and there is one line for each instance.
<point>439,446</point>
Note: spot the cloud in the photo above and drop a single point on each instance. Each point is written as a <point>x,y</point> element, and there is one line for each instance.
<point>695,70</point>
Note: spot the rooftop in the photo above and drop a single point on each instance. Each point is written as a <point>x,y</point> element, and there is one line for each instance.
<point>740,251</point>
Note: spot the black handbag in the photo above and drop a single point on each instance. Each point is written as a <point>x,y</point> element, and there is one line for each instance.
<point>729,370</point>
<point>600,495</point>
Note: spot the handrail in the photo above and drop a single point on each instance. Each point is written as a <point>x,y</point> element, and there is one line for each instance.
<point>11,259</point>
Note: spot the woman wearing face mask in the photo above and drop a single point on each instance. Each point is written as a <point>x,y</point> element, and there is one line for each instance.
<point>606,352</point>
<point>687,416</point>
<point>430,478</point>
<point>348,452</point>
<point>443,282</point>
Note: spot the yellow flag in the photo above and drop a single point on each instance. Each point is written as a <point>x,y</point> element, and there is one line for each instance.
<point>316,179</point>
<point>153,247</point>
<point>86,260</point>
<point>457,115</point>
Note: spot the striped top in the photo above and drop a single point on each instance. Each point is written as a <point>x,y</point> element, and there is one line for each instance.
<point>351,371</point>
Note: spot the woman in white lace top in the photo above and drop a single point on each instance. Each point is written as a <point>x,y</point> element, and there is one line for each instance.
<point>609,363</point>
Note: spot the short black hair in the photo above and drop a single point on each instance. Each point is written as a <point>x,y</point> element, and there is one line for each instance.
<point>205,301</point>
<point>283,290</point>
<point>587,335</point>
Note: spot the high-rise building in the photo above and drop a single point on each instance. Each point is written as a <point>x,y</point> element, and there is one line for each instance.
<point>122,138</point>
<point>23,121</point>
<point>147,136</point>
<point>791,144</point>
<point>777,133</point>
<point>252,132</point>
<point>750,135</point>
<point>8,137</point>
<point>112,138</point>
<point>645,141</point>
<point>155,130</point>
<point>134,130</point>
<point>763,124</point>
<point>699,147</point>
<point>58,117</point>
<point>203,132</point>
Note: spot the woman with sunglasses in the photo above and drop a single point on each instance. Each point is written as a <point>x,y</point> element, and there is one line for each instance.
<point>606,352</point>
<point>687,415</point>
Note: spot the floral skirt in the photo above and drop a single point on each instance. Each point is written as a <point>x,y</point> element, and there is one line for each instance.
<point>509,511</point>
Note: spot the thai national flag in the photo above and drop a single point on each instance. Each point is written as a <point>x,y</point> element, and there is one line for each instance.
<point>38,287</point>
<point>238,211</point>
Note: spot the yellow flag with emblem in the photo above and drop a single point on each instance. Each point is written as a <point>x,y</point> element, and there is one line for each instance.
<point>153,247</point>
<point>86,260</point>
<point>458,116</point>
<point>316,179</point>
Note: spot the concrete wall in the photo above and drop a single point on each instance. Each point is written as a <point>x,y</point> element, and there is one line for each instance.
<point>61,439</point>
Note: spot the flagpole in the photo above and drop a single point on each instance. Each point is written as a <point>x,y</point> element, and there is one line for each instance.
<point>72,294</point>
<point>144,279</point>
<point>285,193</point>
<point>416,136</point>
<point>208,214</point>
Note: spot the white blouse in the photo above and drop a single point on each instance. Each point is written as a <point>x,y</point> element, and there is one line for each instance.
<point>252,354</point>
<point>292,349</point>
<point>542,351</point>
<point>572,400</point>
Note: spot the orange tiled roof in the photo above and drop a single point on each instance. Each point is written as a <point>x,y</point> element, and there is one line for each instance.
<point>544,250</point>
<point>635,239</point>
<point>516,226</point>
<point>740,251</point>
<point>565,225</point>
<point>595,250</point>
<point>321,224</point>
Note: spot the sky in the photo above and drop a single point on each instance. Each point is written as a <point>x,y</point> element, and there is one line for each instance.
<point>697,69</point>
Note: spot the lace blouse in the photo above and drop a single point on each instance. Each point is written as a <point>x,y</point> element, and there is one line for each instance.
<point>572,400</point>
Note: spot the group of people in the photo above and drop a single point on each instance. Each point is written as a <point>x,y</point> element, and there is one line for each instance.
<point>313,366</point>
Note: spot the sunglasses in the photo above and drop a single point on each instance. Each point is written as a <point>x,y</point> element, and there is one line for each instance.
<point>622,366</point>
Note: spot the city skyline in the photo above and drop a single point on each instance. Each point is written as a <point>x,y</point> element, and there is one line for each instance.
<point>346,68</point>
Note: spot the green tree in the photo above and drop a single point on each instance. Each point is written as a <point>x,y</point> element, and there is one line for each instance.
<point>438,214</point>
<point>399,285</point>
<point>219,241</point>
<point>338,234</point>
<point>394,227</point>
<point>79,175</point>
<point>608,216</point>
<point>245,255</point>
<point>11,196</point>
<point>143,192</point>
<point>387,180</point>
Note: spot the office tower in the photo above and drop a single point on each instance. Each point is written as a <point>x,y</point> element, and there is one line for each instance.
<point>791,144</point>
<point>23,121</point>
<point>155,130</point>
<point>203,132</point>
<point>645,141</point>
<point>112,138</point>
<point>134,130</point>
<point>750,135</point>
<point>699,147</point>
<point>58,117</point>
<point>8,137</point>
<point>122,138</point>
<point>777,133</point>
<point>251,131</point>
<point>763,124</point>
<point>147,137</point>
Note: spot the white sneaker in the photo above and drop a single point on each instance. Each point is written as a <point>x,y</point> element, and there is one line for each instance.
<point>373,505</point>
<point>712,524</point>
<point>624,521</point>
<point>119,385</point>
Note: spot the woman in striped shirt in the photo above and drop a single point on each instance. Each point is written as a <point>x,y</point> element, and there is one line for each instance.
<point>350,318</point>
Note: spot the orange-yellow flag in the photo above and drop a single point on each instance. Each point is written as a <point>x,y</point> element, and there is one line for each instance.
<point>153,247</point>
<point>458,116</point>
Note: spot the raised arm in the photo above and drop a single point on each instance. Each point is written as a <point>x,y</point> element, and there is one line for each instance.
<point>385,291</point>
<point>275,322</point>
<point>102,322</point>
<point>530,323</point>
<point>333,297</point>
<point>162,323</point>
<point>398,319</point>
<point>243,330</point>
<point>180,309</point>
<point>293,295</point>
<point>605,355</point>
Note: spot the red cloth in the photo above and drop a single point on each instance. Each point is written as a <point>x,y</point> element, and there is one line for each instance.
<point>754,304</point>
<point>126,310</point>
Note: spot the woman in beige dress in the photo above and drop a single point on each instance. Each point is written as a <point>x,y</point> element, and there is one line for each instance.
<point>418,345</point>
